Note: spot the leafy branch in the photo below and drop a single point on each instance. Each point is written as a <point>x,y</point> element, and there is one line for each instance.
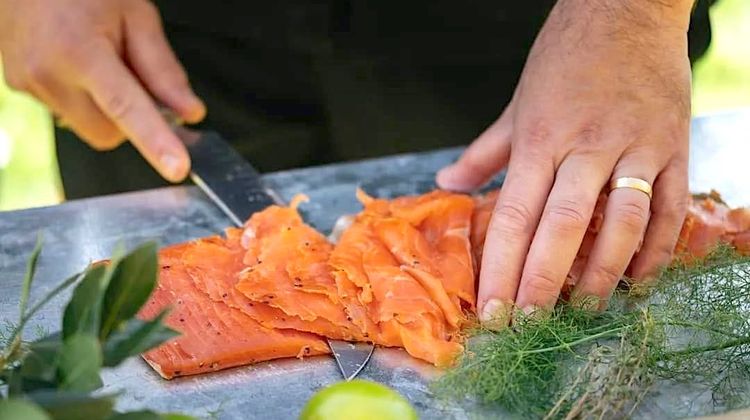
<point>55,376</point>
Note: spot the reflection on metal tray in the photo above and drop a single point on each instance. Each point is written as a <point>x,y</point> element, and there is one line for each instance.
<point>79,232</point>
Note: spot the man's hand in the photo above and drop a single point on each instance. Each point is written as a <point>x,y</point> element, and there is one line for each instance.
<point>605,93</point>
<point>98,64</point>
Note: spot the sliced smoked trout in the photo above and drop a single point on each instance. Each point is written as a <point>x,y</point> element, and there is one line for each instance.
<point>286,267</point>
<point>401,273</point>
<point>214,335</point>
<point>709,221</point>
<point>387,294</point>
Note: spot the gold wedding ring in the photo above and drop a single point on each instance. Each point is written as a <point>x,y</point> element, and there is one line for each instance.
<point>630,182</point>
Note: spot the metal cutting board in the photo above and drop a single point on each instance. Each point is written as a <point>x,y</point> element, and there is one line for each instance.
<point>82,231</point>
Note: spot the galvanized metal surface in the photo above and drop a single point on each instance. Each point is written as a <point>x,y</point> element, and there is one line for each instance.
<point>79,232</point>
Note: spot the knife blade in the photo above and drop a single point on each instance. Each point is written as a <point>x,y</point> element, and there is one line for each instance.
<point>236,188</point>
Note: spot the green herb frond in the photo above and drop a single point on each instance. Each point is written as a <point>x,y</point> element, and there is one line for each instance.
<point>691,325</point>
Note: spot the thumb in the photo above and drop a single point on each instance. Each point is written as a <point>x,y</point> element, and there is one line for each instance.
<point>486,156</point>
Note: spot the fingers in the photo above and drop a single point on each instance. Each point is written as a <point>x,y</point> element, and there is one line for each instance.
<point>151,57</point>
<point>486,156</point>
<point>81,114</point>
<point>667,216</point>
<point>509,234</point>
<point>123,100</point>
<point>566,216</point>
<point>625,220</point>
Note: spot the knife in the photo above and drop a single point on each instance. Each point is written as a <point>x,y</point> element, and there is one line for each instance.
<point>236,188</point>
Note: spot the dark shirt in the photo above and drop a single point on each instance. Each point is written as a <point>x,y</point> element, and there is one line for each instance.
<point>293,83</point>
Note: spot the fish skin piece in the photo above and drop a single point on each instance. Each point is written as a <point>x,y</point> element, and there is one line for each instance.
<point>214,335</point>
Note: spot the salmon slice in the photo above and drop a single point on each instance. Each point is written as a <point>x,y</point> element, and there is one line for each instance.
<point>402,274</point>
<point>403,309</point>
<point>413,256</point>
<point>709,222</point>
<point>441,224</point>
<point>214,265</point>
<point>213,336</point>
<point>287,268</point>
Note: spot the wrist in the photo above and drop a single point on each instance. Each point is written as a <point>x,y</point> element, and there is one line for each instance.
<point>653,14</point>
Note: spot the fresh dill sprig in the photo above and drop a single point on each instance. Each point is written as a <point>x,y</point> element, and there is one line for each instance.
<point>690,326</point>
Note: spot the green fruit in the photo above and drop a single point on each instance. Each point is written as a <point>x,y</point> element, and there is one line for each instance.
<point>358,400</point>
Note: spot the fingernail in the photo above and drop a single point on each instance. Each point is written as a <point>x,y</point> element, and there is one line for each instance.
<point>587,303</point>
<point>446,179</point>
<point>172,166</point>
<point>495,314</point>
<point>534,312</point>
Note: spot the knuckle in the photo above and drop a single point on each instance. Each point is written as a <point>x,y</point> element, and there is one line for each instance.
<point>118,105</point>
<point>590,135</point>
<point>175,79</point>
<point>514,216</point>
<point>678,132</point>
<point>474,162</point>
<point>537,133</point>
<point>541,283</point>
<point>663,254</point>
<point>679,207</point>
<point>632,216</point>
<point>606,274</point>
<point>566,215</point>
<point>649,264</point>
<point>70,47</point>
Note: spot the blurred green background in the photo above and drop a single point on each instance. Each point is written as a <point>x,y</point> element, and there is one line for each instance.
<point>28,167</point>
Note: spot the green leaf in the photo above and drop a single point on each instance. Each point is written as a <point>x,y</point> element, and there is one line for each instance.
<point>39,368</point>
<point>137,415</point>
<point>49,296</point>
<point>176,416</point>
<point>29,277</point>
<point>82,312</point>
<point>9,354</point>
<point>74,405</point>
<point>15,409</point>
<point>131,284</point>
<point>149,415</point>
<point>137,336</point>
<point>80,362</point>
